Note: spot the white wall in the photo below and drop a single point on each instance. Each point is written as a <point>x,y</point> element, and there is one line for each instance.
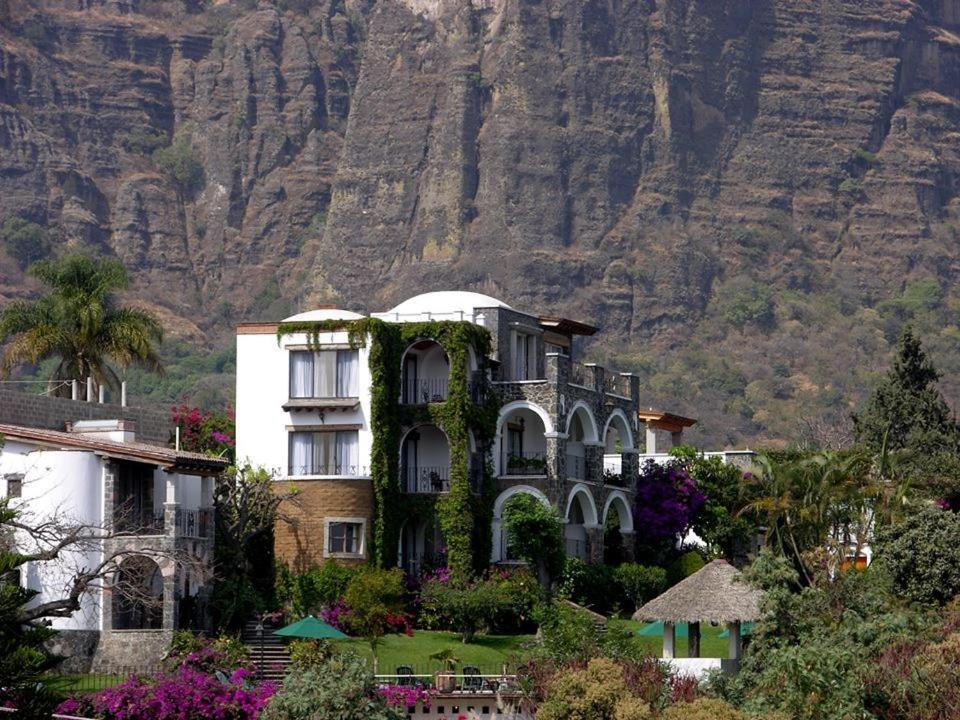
<point>66,484</point>
<point>263,371</point>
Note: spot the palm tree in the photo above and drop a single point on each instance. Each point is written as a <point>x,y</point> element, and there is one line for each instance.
<point>79,321</point>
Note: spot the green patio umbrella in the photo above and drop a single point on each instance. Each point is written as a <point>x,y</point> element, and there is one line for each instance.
<point>745,629</point>
<point>312,628</point>
<point>655,629</point>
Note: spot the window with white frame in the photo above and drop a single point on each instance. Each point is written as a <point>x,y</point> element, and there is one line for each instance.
<point>345,537</point>
<point>324,373</point>
<point>325,452</point>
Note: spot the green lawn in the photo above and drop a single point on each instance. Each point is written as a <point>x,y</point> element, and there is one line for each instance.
<point>70,684</point>
<point>488,652</point>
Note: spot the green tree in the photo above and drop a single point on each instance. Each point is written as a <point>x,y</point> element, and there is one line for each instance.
<point>922,556</point>
<point>535,534</point>
<point>599,691</point>
<point>907,413</point>
<point>180,163</point>
<point>25,241</point>
<point>80,323</point>
<point>376,601</point>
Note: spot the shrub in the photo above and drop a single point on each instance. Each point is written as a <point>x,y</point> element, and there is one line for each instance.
<point>639,583</point>
<point>187,693</point>
<point>306,593</point>
<point>743,301</point>
<point>666,502</point>
<point>922,556</point>
<point>463,607</point>
<point>684,566</point>
<point>375,598</point>
<point>25,241</point>
<point>521,595</point>
<point>710,709</point>
<point>850,186</point>
<point>180,163</point>
<point>309,654</point>
<point>341,688</point>
<point>145,141</point>
<point>223,654</point>
<point>590,585</point>
<point>599,692</point>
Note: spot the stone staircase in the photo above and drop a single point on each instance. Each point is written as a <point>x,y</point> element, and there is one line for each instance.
<point>272,657</point>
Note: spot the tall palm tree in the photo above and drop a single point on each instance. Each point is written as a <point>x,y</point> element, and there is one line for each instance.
<point>79,321</point>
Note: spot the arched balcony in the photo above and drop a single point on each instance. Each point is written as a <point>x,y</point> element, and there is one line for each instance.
<point>618,440</point>
<point>425,373</point>
<point>422,546</point>
<point>581,515</point>
<point>137,595</point>
<point>425,461</point>
<point>617,529</point>
<point>581,432</point>
<point>522,441</point>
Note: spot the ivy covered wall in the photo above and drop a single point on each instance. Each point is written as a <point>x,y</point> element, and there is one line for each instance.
<point>465,512</point>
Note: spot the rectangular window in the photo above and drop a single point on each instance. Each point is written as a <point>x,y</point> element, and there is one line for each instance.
<point>331,452</point>
<point>525,362</point>
<point>14,485</point>
<point>324,374</point>
<point>344,537</point>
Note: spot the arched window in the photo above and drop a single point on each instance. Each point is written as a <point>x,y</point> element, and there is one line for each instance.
<point>425,373</point>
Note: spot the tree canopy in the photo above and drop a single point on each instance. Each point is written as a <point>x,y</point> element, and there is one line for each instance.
<point>79,322</point>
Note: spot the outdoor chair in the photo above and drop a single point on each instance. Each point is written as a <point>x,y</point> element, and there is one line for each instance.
<point>472,682</point>
<point>405,676</point>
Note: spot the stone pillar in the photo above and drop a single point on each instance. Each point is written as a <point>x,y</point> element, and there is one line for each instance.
<point>629,468</point>
<point>556,465</point>
<point>593,461</point>
<point>669,640</point>
<point>651,439</point>
<point>594,543</point>
<point>629,540</point>
<point>693,640</point>
<point>734,643</point>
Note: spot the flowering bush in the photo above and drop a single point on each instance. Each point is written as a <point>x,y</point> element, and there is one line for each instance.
<point>406,697</point>
<point>187,694</point>
<point>224,653</point>
<point>337,615</point>
<point>667,501</point>
<point>203,431</point>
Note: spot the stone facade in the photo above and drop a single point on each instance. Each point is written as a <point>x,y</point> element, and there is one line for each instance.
<point>125,651</point>
<point>300,535</point>
<point>76,647</point>
<point>152,425</point>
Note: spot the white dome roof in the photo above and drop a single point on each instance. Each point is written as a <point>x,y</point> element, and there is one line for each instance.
<point>447,301</point>
<point>324,314</point>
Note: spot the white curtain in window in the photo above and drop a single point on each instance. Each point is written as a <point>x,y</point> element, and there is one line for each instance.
<point>521,364</point>
<point>325,374</point>
<point>301,374</point>
<point>301,453</point>
<point>348,371</point>
<point>348,452</point>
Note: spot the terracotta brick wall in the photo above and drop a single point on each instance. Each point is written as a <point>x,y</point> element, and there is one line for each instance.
<point>299,535</point>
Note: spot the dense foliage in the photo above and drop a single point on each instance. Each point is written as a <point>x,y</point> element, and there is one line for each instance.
<point>340,688</point>
<point>665,504</point>
<point>206,431</point>
<point>600,691</point>
<point>25,241</point>
<point>376,599</point>
<point>309,592</point>
<point>535,534</point>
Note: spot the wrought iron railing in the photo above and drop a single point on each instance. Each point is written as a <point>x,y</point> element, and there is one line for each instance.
<point>425,479</point>
<point>195,523</point>
<point>423,391</point>
<point>525,463</point>
<point>613,478</point>
<point>576,467</point>
<point>336,470</point>
<point>138,521</point>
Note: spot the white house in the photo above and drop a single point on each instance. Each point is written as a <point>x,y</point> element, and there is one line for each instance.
<point>152,507</point>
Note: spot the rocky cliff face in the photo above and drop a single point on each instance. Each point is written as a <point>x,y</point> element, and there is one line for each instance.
<point>748,196</point>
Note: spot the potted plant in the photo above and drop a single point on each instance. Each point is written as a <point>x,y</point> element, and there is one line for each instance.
<point>446,679</point>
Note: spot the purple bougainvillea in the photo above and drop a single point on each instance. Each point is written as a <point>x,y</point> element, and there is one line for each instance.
<point>186,693</point>
<point>407,697</point>
<point>667,501</point>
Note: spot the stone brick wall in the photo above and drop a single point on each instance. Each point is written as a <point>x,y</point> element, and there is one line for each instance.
<point>153,424</point>
<point>76,647</point>
<point>125,651</point>
<point>299,535</point>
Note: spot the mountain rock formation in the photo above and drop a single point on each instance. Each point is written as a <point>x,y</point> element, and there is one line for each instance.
<point>749,197</point>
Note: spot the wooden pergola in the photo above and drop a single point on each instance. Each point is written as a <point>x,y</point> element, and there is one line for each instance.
<point>714,594</point>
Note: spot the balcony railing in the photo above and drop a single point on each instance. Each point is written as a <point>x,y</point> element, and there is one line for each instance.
<point>195,523</point>
<point>580,375</point>
<point>613,478</point>
<point>423,391</point>
<point>425,479</point>
<point>576,467</point>
<point>138,521</point>
<point>617,384</point>
<point>335,470</point>
<point>525,463</point>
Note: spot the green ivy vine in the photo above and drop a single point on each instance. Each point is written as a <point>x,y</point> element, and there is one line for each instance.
<point>464,516</point>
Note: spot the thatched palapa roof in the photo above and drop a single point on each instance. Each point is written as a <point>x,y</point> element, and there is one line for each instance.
<point>712,594</point>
